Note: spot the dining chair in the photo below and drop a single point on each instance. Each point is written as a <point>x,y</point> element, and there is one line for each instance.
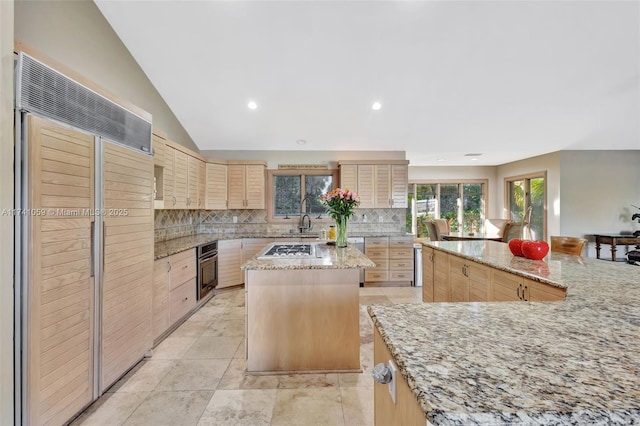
<point>434,232</point>
<point>498,227</point>
<point>514,231</point>
<point>443,226</point>
<point>569,245</point>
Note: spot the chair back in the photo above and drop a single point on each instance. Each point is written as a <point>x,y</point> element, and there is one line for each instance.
<point>514,231</point>
<point>434,232</point>
<point>569,245</point>
<point>443,226</point>
<point>498,227</point>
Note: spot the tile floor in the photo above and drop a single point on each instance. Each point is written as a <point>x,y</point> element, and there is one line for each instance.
<point>196,377</point>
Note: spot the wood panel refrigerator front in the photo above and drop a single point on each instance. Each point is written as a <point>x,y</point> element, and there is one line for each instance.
<point>61,289</point>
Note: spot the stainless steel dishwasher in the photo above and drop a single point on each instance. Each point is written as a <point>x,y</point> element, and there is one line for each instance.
<point>359,243</point>
<point>417,264</point>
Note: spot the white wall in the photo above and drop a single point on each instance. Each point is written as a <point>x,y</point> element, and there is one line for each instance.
<point>75,34</point>
<point>330,158</point>
<point>6,221</point>
<point>458,173</point>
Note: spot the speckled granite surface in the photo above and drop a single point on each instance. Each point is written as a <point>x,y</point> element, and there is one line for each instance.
<point>570,362</point>
<point>332,258</point>
<point>176,245</point>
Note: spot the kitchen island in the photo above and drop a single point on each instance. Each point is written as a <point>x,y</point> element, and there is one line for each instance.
<point>575,361</point>
<point>303,314</point>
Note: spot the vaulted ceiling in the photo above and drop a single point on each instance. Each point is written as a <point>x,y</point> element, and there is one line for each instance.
<point>505,79</point>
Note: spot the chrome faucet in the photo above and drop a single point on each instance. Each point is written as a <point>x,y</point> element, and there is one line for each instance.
<point>304,227</point>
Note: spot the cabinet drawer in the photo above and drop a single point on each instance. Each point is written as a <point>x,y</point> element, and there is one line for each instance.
<point>404,242</point>
<point>400,265</point>
<point>376,242</point>
<point>373,275</point>
<point>401,252</point>
<point>381,264</point>
<point>183,255</point>
<point>182,300</point>
<point>376,253</point>
<point>401,276</point>
<point>182,271</point>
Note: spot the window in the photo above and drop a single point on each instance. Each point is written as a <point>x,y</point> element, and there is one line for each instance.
<point>526,201</point>
<point>461,203</point>
<point>291,190</point>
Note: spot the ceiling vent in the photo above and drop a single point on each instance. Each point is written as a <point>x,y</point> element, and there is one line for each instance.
<point>46,92</point>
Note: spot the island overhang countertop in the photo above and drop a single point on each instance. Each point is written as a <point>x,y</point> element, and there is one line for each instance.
<point>571,362</point>
<point>330,257</point>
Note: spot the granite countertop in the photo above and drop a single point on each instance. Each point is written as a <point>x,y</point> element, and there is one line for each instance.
<point>176,245</point>
<point>331,258</point>
<point>571,362</point>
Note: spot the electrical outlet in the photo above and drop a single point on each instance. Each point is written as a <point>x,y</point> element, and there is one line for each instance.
<point>364,218</point>
<point>380,219</point>
<point>235,219</point>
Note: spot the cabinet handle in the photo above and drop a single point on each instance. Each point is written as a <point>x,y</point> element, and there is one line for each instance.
<point>174,200</point>
<point>524,291</point>
<point>431,256</point>
<point>169,266</point>
<point>518,291</point>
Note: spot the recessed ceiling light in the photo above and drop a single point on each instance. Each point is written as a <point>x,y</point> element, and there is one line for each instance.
<point>301,141</point>
<point>252,105</point>
<point>376,106</point>
<point>474,159</point>
<point>441,159</point>
<point>473,155</point>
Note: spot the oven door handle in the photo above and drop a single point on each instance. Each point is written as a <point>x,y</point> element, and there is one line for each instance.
<point>213,256</point>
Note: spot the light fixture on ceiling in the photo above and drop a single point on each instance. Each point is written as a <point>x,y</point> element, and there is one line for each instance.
<point>252,105</point>
<point>440,160</point>
<point>376,106</point>
<point>301,141</point>
<point>474,156</point>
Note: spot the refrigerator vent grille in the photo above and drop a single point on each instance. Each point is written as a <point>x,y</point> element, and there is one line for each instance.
<point>44,91</point>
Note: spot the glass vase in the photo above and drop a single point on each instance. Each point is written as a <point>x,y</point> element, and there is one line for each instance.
<point>341,231</point>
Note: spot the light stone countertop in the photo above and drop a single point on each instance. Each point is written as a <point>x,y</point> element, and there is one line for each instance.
<point>571,362</point>
<point>332,258</point>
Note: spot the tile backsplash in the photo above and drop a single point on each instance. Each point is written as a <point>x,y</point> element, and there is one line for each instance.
<point>171,224</point>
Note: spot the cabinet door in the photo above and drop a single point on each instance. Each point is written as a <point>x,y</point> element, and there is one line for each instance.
<point>441,291</point>
<point>236,186</point>
<point>539,292</point>
<point>478,277</point>
<point>382,197</point>
<point>349,177</point>
<point>458,280</point>
<point>59,344</point>
<point>255,186</point>
<point>192,182</point>
<point>399,185</point>
<point>183,268</point>
<point>182,300</point>
<point>181,179</point>
<point>160,300</point>
<point>427,274</point>
<point>229,262</point>
<point>128,261</point>
<point>158,151</point>
<point>168,178</point>
<point>505,287</point>
<point>216,197</point>
<point>202,183</point>
<point>366,185</point>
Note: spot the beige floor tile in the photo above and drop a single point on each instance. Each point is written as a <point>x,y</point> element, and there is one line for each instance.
<point>210,347</point>
<point>144,378</point>
<point>208,313</point>
<point>311,406</point>
<point>371,300</point>
<point>239,407</point>
<point>371,291</point>
<point>366,356</point>
<point>235,378</point>
<point>171,408</point>
<point>173,347</point>
<point>111,409</point>
<point>300,381</point>
<point>364,379</point>
<point>357,405</point>
<point>191,328</point>
<point>233,313</point>
<point>398,300</point>
<point>194,374</point>
<point>225,327</point>
<point>402,291</point>
<point>241,352</point>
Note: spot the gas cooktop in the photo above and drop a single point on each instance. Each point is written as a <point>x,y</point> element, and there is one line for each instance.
<point>289,251</point>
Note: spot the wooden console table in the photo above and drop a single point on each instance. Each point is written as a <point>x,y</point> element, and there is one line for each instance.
<point>614,240</point>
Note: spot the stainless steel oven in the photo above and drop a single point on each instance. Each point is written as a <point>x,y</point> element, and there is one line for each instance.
<point>207,268</point>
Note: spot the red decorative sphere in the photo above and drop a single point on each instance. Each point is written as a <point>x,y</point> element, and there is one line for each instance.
<point>515,246</point>
<point>535,250</point>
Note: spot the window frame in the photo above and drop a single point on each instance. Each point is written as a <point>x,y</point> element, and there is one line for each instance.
<point>271,218</point>
<point>527,196</point>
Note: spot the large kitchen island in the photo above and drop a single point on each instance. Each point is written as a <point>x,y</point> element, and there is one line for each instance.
<point>575,361</point>
<point>303,313</point>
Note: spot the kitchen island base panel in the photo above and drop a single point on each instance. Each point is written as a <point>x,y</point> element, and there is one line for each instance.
<point>303,320</point>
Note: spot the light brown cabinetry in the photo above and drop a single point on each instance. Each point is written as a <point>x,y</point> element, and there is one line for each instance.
<point>159,148</point>
<point>468,281</point>
<point>184,179</point>
<point>427,274</point>
<point>405,411</point>
<point>506,287</point>
<point>366,186</point>
<point>180,179</point>
<point>400,259</point>
<point>253,246</point>
<point>174,290</point>
<point>216,186</point>
<point>229,262</point>
<point>380,184</point>
<point>377,249</point>
<point>195,183</point>
<point>246,186</point>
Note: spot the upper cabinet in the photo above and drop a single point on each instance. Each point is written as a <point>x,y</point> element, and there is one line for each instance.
<point>195,183</point>
<point>246,185</point>
<point>380,184</point>
<point>216,187</point>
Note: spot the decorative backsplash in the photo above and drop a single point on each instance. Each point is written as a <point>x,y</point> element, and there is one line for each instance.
<point>171,224</point>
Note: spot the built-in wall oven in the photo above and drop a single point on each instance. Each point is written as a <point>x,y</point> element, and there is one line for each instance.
<point>207,268</point>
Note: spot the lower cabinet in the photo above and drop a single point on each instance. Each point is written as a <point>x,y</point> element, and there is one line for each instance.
<point>401,259</point>
<point>469,281</point>
<point>253,246</point>
<point>174,290</point>
<point>229,262</point>
<point>405,411</point>
<point>377,249</point>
